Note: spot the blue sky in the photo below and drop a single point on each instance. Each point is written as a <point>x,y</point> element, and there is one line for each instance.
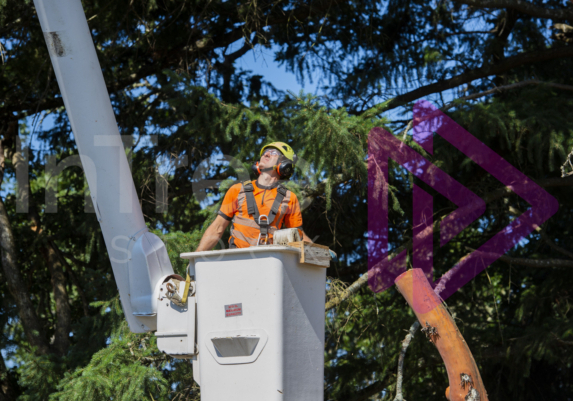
<point>261,62</point>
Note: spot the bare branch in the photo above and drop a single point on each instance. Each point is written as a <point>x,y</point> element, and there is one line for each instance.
<point>405,345</point>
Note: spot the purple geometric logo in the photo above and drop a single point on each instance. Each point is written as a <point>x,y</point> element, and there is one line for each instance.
<point>383,146</point>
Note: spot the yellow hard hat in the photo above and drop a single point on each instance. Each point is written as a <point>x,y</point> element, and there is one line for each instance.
<point>285,149</point>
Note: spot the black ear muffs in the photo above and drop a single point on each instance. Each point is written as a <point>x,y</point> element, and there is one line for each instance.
<point>285,168</point>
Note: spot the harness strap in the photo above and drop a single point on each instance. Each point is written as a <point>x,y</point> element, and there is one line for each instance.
<point>253,209</point>
<point>281,193</point>
<point>271,229</point>
<point>244,221</point>
<point>250,197</point>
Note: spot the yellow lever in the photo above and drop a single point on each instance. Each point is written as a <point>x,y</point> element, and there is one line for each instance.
<point>186,292</point>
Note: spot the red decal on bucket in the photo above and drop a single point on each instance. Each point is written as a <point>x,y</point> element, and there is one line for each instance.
<point>234,310</point>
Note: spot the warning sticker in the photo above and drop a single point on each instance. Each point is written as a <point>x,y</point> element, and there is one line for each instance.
<point>234,310</point>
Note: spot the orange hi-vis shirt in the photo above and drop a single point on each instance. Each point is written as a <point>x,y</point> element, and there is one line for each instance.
<point>244,231</point>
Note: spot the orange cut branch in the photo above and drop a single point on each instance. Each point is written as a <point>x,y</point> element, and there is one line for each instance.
<point>463,375</point>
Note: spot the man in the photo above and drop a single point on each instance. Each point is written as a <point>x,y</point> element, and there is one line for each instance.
<point>258,208</point>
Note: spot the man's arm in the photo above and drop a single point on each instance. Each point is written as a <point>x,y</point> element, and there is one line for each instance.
<point>213,234</point>
<point>293,217</point>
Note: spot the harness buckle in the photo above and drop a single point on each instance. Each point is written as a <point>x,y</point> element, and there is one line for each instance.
<point>266,223</point>
<point>263,235</point>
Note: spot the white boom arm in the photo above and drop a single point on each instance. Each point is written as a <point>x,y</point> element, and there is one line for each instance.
<point>139,258</point>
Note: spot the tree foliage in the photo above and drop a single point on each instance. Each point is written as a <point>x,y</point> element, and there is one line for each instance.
<point>179,92</point>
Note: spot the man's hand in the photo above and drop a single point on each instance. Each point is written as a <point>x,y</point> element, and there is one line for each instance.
<point>213,234</point>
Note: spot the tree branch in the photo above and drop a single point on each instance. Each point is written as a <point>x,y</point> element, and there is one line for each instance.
<point>361,282</point>
<point>405,345</point>
<point>441,330</point>
<point>544,236</point>
<point>482,72</point>
<point>544,183</point>
<point>351,290</point>
<point>523,7</point>
<point>499,89</point>
<point>540,263</point>
<point>168,58</point>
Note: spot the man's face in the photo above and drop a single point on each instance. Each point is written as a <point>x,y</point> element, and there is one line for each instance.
<point>269,158</point>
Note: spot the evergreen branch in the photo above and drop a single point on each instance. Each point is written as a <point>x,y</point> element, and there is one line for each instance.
<point>153,62</point>
<point>540,263</point>
<point>32,107</point>
<point>405,345</point>
<point>499,89</point>
<point>522,7</point>
<point>482,72</point>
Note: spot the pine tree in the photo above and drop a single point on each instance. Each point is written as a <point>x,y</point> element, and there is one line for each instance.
<point>174,77</point>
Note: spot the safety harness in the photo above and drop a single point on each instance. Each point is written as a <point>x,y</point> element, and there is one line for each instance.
<point>263,221</point>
